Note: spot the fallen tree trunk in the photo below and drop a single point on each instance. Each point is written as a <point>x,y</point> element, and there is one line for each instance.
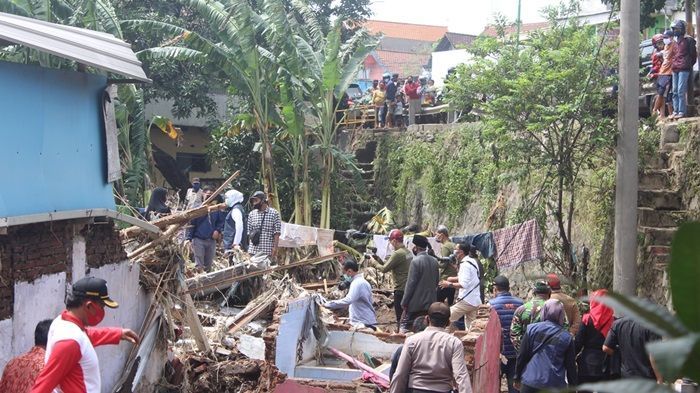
<point>180,218</point>
<point>230,280</point>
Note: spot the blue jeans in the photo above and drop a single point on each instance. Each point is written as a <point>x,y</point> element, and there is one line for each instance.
<point>680,91</point>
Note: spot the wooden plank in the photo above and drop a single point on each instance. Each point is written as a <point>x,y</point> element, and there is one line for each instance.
<point>380,378</point>
<point>166,236</point>
<point>192,319</point>
<point>231,280</point>
<point>179,218</point>
<point>222,187</point>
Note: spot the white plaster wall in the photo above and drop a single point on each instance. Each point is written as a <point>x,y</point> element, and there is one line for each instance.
<point>79,259</point>
<point>41,299</point>
<point>5,342</point>
<point>124,288</point>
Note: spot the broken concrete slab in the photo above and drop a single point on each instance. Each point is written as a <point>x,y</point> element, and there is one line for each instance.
<point>253,347</point>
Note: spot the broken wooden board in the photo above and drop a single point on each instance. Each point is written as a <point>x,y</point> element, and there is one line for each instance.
<point>232,279</point>
<point>217,280</point>
<point>179,218</point>
<point>192,319</point>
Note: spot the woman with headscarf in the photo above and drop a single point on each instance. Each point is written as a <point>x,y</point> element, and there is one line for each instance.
<point>156,205</point>
<point>590,338</point>
<point>547,356</point>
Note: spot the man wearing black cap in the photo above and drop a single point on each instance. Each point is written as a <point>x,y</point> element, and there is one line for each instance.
<point>195,195</point>
<point>431,360</point>
<point>71,360</point>
<point>264,226</point>
<point>529,312</point>
<point>421,286</point>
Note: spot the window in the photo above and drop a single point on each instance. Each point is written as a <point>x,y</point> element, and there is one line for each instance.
<point>192,162</point>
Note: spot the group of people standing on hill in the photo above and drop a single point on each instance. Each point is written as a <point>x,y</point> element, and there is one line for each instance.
<point>391,96</point>
<point>673,58</point>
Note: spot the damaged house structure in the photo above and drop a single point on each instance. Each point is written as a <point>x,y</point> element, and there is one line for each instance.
<point>57,212</point>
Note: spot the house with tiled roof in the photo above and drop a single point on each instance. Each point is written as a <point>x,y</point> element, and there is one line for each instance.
<point>525,29</point>
<point>452,41</point>
<point>404,48</point>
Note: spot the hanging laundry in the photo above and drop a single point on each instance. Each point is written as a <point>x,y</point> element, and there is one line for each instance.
<point>518,244</point>
<point>293,235</point>
<point>483,242</point>
<point>324,241</point>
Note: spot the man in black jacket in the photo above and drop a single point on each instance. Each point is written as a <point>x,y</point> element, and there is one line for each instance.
<point>421,287</point>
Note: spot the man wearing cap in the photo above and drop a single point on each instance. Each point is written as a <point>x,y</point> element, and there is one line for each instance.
<point>194,197</point>
<point>421,285</point>
<point>359,298</point>
<point>431,360</point>
<point>264,226</point>
<point>71,361</point>
<point>505,305</point>
<point>398,264</point>
<point>469,284</point>
<point>529,312</point>
<point>448,267</point>
<point>573,315</point>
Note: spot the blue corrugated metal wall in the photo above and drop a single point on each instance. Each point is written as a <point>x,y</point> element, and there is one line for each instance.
<point>52,154</point>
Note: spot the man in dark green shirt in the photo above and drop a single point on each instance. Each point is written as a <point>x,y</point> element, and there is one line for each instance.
<point>448,268</point>
<point>398,264</point>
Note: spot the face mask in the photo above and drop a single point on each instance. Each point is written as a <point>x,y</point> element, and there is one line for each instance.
<point>257,205</point>
<point>96,316</point>
<point>667,41</point>
<point>195,186</point>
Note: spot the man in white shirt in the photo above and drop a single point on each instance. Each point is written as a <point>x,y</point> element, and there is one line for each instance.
<point>194,194</point>
<point>467,281</point>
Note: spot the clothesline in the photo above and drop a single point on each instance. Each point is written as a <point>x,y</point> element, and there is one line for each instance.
<point>508,246</point>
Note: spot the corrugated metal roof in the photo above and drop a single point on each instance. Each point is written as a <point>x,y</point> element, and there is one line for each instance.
<point>94,48</point>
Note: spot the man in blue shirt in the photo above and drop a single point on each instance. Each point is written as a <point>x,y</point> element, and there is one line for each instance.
<point>391,89</point>
<point>505,305</point>
<point>358,299</point>
<point>202,234</point>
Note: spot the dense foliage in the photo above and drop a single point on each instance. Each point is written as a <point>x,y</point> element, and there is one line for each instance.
<point>543,103</point>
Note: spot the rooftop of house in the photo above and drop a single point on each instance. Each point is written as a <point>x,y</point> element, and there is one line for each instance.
<point>458,39</point>
<point>409,31</point>
<point>525,28</point>
<point>403,63</point>
<point>404,45</point>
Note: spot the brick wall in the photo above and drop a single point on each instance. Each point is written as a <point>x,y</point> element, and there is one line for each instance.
<point>102,245</point>
<point>30,251</point>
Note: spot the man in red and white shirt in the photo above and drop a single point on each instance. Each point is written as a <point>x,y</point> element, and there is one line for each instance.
<point>71,361</point>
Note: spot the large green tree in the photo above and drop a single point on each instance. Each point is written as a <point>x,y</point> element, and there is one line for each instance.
<point>543,104</point>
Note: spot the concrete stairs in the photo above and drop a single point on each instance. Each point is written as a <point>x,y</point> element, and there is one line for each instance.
<point>362,207</point>
<point>660,206</point>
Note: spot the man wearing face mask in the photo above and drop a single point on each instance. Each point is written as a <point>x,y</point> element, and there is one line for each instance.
<point>398,264</point>
<point>468,283</point>
<point>235,236</point>
<point>264,226</point>
<point>71,361</point>
<point>194,196</point>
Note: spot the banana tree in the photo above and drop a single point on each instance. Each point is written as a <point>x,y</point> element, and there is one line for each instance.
<point>239,53</point>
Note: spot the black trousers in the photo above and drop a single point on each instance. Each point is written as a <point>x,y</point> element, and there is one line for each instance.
<point>398,297</point>
<point>446,293</point>
<point>528,389</point>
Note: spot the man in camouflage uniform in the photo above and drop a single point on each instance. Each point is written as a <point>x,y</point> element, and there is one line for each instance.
<point>529,312</point>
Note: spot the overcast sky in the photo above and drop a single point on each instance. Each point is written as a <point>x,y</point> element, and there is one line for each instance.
<point>464,16</point>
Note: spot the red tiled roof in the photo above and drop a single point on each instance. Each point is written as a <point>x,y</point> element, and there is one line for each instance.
<point>403,63</point>
<point>524,28</point>
<point>406,30</point>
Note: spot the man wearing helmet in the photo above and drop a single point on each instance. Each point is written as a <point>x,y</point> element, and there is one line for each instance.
<point>398,264</point>
<point>683,61</point>
<point>264,226</point>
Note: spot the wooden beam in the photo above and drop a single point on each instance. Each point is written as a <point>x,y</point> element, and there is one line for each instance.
<point>192,319</point>
<point>231,280</point>
<point>179,218</point>
<point>381,379</point>
<point>166,236</point>
<point>222,187</point>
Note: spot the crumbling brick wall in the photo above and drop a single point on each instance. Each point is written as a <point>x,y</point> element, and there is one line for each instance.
<point>102,245</point>
<point>30,251</point>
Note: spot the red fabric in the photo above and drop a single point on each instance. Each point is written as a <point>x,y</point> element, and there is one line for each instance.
<point>600,314</point>
<point>63,366</point>
<point>21,372</point>
<point>553,281</point>
<point>62,369</point>
<point>411,90</point>
<point>657,59</point>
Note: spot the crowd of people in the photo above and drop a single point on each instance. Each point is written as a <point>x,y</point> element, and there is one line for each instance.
<point>546,344</point>
<point>256,232</point>
<point>673,59</point>
<point>391,97</point>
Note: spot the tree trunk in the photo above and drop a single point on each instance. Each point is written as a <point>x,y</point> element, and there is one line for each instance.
<point>326,191</point>
<point>267,170</point>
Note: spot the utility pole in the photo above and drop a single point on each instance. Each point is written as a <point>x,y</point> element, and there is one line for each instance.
<point>518,22</point>
<point>625,263</point>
